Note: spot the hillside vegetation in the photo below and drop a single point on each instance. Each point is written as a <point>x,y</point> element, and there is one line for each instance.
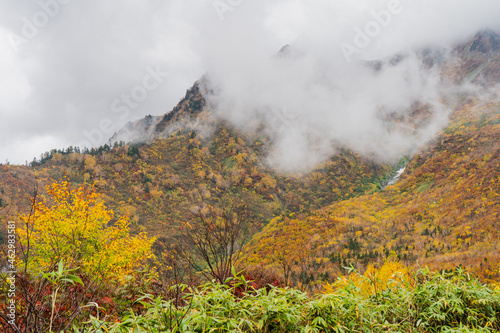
<point>444,211</point>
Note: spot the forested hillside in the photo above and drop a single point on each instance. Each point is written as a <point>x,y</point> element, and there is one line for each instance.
<point>156,184</point>
<point>443,212</point>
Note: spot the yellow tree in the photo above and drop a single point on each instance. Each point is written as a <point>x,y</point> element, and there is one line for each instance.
<point>75,227</point>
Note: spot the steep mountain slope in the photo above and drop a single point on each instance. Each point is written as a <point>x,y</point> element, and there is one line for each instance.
<point>187,113</point>
<point>443,211</point>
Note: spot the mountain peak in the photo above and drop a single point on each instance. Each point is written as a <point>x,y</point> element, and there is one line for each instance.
<point>484,43</point>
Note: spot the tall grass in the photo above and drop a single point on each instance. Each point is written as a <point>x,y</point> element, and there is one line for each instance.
<point>430,302</point>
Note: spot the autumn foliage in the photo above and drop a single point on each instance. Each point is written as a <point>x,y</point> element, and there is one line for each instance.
<point>442,213</point>
<point>75,226</point>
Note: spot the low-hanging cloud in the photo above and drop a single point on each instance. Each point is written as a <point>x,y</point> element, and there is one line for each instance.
<point>310,108</point>
<point>314,97</point>
<point>64,80</point>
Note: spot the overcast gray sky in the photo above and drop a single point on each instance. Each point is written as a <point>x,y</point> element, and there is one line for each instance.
<point>73,71</point>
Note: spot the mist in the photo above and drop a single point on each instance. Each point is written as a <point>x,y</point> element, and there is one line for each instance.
<point>349,78</point>
<point>310,108</point>
<point>61,85</point>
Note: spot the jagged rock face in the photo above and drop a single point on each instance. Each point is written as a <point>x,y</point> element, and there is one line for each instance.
<point>138,131</point>
<point>431,57</point>
<point>483,44</point>
<point>189,107</point>
<point>154,127</point>
<point>428,57</point>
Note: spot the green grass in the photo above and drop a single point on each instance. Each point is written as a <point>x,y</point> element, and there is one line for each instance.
<point>425,186</point>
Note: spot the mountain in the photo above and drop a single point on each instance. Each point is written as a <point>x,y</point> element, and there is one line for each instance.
<point>185,158</point>
<point>442,212</point>
<point>485,43</point>
<point>475,61</point>
<point>185,114</point>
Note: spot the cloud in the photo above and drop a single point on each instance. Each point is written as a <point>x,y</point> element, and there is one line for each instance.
<point>310,108</point>
<point>86,54</point>
<point>321,97</point>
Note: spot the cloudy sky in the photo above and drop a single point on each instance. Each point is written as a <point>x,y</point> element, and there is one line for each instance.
<point>72,71</point>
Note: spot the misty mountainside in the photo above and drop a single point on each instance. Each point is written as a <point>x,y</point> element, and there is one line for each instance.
<point>444,211</point>
<point>476,61</point>
<point>334,209</point>
<point>158,182</point>
<point>306,109</point>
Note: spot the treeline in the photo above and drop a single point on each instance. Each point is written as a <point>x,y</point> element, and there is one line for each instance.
<point>48,155</point>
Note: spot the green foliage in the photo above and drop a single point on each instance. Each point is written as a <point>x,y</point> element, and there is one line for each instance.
<point>447,302</point>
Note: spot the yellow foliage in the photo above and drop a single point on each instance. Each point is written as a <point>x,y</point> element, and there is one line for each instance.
<point>390,274</point>
<point>75,229</point>
<point>90,162</point>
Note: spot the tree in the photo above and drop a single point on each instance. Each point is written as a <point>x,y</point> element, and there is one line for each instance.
<point>215,236</point>
<point>75,228</point>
